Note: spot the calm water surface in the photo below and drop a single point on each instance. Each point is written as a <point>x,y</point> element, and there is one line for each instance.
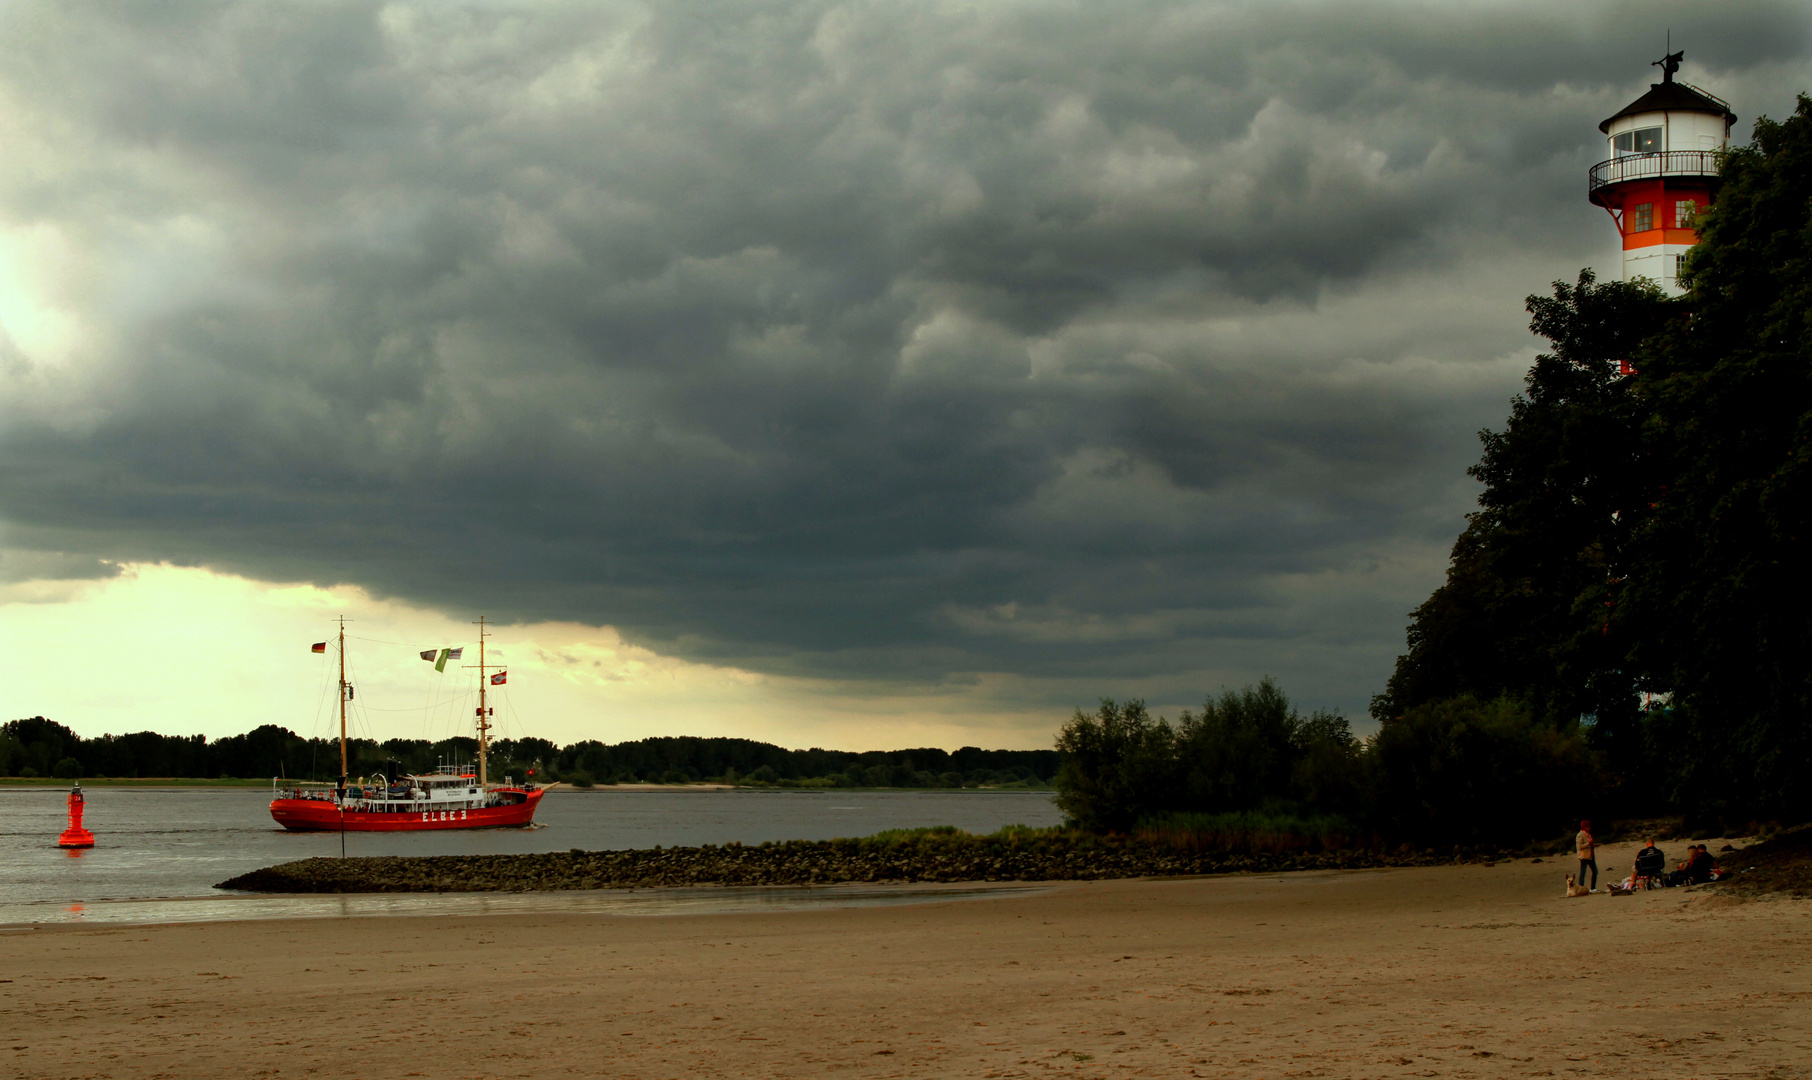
<point>158,852</point>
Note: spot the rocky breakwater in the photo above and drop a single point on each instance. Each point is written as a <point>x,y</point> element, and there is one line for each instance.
<point>935,856</point>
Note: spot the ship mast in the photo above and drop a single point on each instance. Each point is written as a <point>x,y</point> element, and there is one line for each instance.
<point>484,716</point>
<point>342,707</point>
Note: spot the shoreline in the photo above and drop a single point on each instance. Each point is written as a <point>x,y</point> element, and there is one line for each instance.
<point>794,789</point>
<point>40,783</point>
<point>660,902</point>
<point>35,783</point>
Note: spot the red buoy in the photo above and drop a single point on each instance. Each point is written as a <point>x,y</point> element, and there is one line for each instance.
<point>75,836</point>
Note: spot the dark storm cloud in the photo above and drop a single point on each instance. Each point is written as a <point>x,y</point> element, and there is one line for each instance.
<point>886,342</point>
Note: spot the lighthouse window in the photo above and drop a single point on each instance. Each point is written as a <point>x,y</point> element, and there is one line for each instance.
<point>1640,141</point>
<point>1683,213</point>
<point>1642,217</point>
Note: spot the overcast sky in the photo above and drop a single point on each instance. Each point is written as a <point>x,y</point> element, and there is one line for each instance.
<point>933,368</point>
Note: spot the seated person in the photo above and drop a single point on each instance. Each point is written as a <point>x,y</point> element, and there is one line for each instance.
<point>1651,862</point>
<point>1701,865</point>
<point>1696,870</point>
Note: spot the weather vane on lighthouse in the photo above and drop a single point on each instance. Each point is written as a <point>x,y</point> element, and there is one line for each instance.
<point>1662,172</point>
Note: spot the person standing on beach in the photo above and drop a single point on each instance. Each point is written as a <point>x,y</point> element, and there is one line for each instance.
<point>1588,854</point>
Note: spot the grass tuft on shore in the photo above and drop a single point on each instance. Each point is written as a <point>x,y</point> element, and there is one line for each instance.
<point>1253,831</point>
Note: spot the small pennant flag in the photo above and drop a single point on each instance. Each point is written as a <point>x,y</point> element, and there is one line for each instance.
<point>430,654</point>
<point>319,646</point>
<point>500,678</point>
<point>454,654</point>
<point>441,664</point>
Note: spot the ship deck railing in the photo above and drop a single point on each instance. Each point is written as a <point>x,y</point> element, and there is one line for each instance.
<point>325,790</point>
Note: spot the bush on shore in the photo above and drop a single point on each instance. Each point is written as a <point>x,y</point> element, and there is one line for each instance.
<point>1468,771</point>
<point>1251,773</point>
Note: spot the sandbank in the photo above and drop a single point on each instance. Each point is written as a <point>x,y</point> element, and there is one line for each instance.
<point>1456,971</point>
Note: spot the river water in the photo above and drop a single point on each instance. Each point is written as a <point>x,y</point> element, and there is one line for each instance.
<point>159,851</point>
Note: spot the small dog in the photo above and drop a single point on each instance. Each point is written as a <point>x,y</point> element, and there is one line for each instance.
<point>1574,888</point>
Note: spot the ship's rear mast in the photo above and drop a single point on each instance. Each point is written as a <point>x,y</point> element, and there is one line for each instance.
<point>484,712</point>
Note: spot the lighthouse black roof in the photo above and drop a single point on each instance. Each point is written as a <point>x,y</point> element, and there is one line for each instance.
<point>1670,96</point>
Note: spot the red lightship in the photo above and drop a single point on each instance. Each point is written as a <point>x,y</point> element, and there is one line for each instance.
<point>451,797</point>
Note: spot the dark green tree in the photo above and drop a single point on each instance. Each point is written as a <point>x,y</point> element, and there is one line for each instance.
<point>1329,773</point>
<point>1465,771</point>
<point>1724,597</point>
<point>1529,607</point>
<point>1250,747</point>
<point>1119,765</point>
<point>43,743</point>
<point>1240,750</point>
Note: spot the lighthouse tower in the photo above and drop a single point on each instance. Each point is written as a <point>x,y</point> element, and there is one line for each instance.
<point>1662,170</point>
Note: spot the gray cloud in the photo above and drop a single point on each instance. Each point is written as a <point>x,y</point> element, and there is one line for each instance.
<point>1118,347</point>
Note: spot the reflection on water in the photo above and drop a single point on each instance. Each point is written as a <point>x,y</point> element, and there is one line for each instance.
<point>624,902</point>
<point>169,844</point>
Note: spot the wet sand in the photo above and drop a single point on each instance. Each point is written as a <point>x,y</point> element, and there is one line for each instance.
<point>1438,971</point>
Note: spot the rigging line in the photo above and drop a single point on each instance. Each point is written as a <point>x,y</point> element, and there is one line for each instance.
<point>320,709</point>
<point>432,718</point>
<point>314,734</point>
<point>415,645</point>
<point>421,729</point>
<point>355,718</point>
<point>421,709</point>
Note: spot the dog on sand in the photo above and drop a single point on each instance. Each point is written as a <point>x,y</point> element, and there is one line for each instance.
<point>1574,888</point>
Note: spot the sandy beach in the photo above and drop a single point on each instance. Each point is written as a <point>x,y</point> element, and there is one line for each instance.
<point>1439,971</point>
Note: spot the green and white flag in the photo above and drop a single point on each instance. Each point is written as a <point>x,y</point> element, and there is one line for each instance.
<point>441,656</point>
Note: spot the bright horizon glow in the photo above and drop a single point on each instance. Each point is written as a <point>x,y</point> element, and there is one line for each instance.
<point>184,651</point>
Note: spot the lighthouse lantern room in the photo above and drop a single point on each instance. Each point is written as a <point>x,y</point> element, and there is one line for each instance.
<point>1662,170</point>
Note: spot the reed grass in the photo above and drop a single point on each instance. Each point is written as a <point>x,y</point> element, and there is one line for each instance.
<point>1251,832</point>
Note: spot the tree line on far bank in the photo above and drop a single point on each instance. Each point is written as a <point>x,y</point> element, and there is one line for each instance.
<point>37,747</point>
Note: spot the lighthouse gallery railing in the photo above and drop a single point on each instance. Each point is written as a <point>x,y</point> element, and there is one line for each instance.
<point>1654,166</point>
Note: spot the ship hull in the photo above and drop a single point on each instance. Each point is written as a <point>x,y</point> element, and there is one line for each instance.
<point>320,815</point>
